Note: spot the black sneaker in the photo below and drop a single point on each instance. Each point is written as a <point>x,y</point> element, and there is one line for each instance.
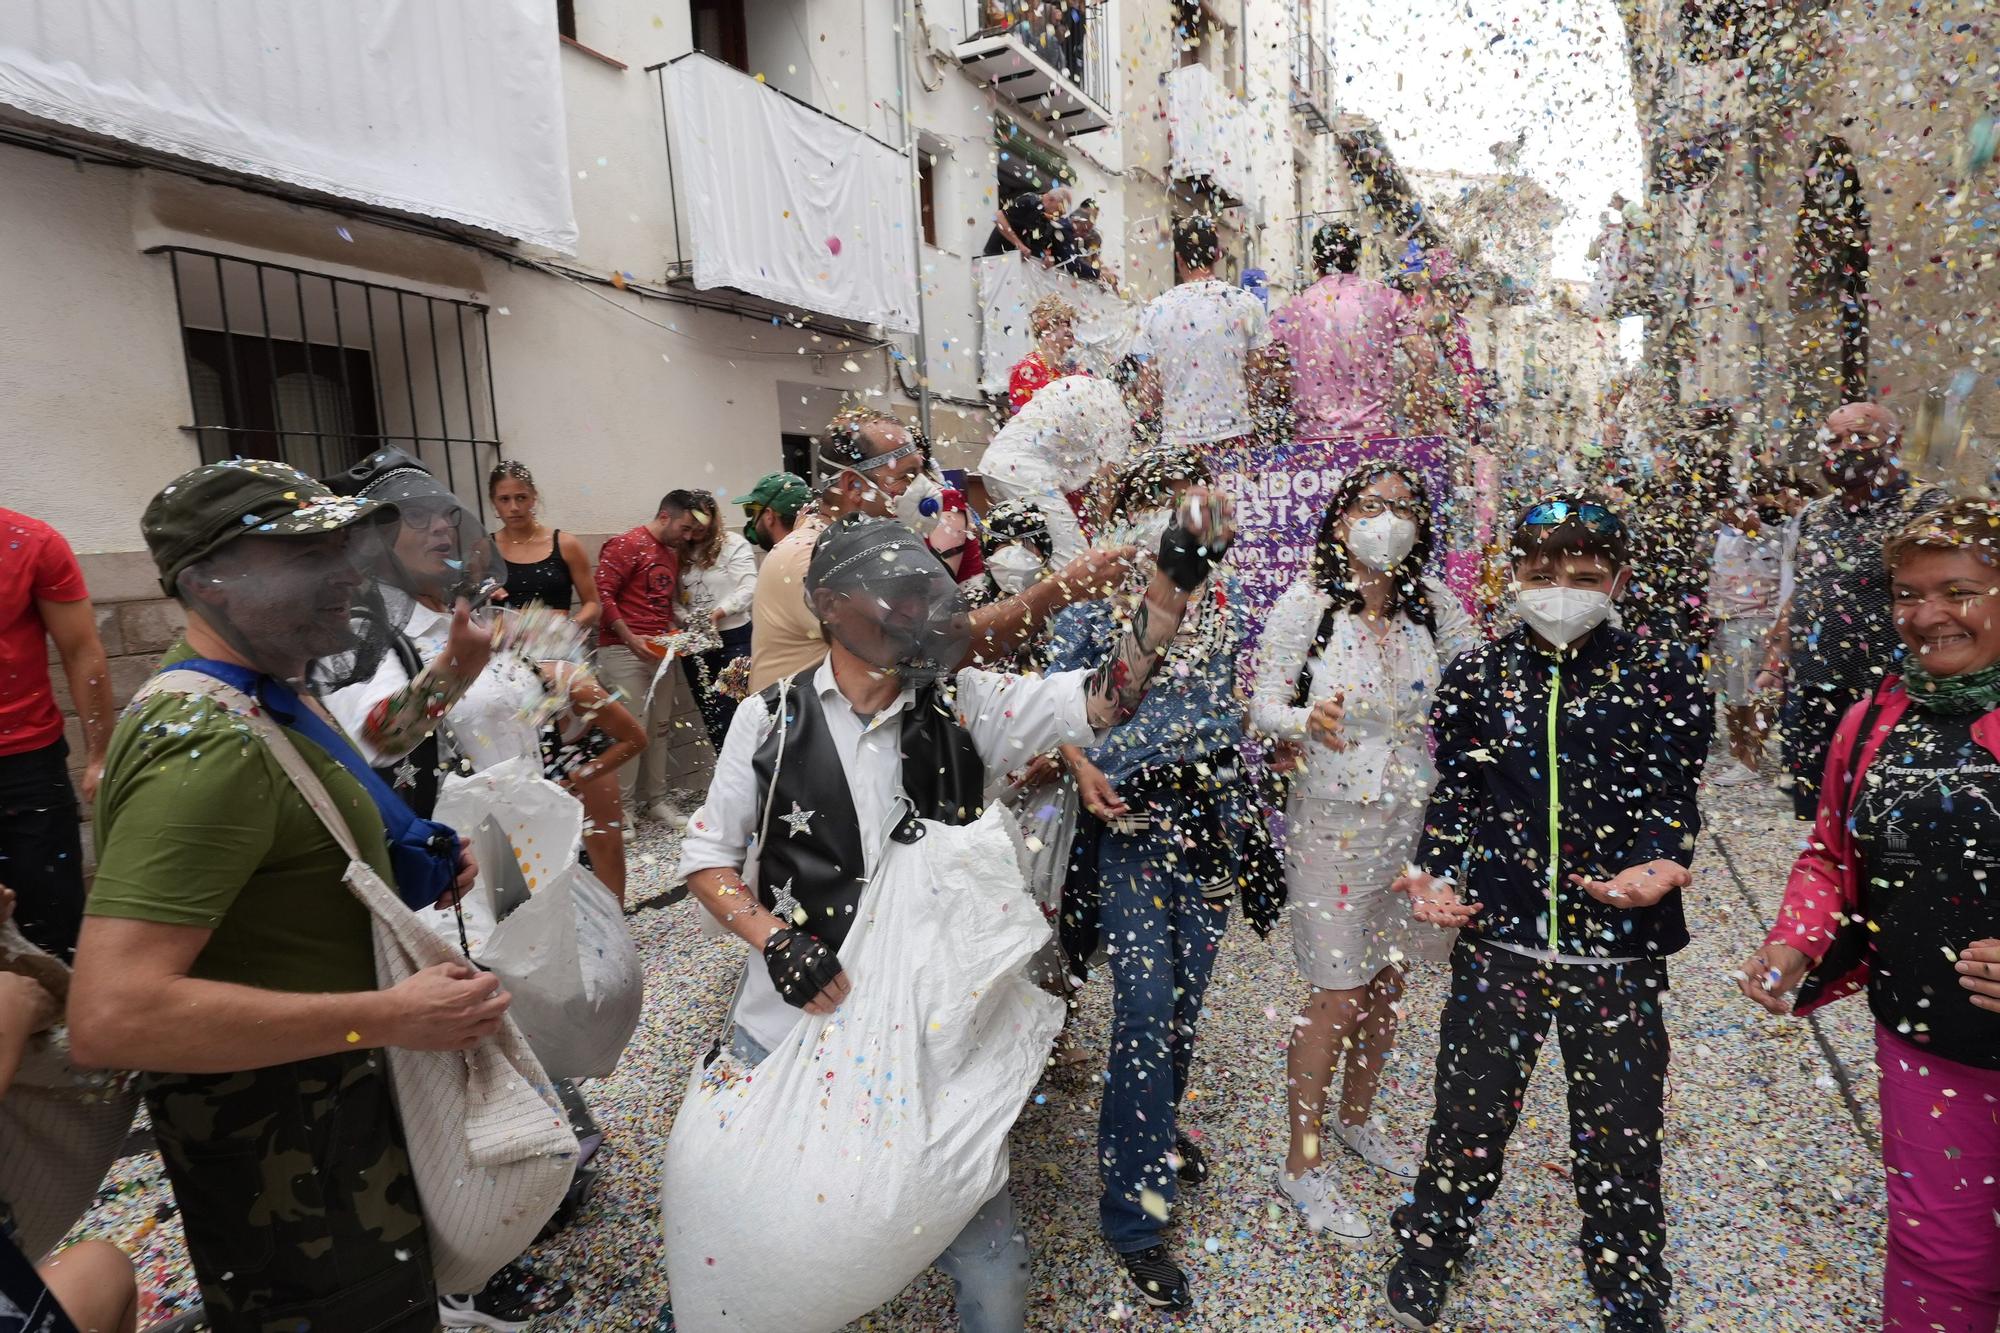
<point>507,1302</point>
<point>1193,1169</point>
<point>1415,1294</point>
<point>1159,1279</point>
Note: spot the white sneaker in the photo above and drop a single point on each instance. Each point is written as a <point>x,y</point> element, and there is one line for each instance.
<point>1736,775</point>
<point>1371,1143</point>
<point>666,812</point>
<point>1313,1194</point>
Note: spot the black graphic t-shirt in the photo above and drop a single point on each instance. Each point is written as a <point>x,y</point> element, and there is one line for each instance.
<point>1927,825</point>
<point>25,1304</point>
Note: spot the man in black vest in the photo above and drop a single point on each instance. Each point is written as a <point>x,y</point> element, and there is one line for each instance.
<point>886,719</point>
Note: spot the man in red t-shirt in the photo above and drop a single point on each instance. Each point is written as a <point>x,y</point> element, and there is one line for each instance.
<point>637,575</point>
<point>42,597</point>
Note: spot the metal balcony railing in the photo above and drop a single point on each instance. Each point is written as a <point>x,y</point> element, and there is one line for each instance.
<point>1312,83</point>
<point>1052,58</point>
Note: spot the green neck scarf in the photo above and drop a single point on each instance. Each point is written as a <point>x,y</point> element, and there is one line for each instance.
<point>1973,692</point>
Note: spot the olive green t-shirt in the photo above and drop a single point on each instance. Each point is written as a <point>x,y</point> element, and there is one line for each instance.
<point>197,825</point>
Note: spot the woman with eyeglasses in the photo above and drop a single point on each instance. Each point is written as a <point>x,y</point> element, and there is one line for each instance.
<point>1348,665</point>
<point>1896,893</point>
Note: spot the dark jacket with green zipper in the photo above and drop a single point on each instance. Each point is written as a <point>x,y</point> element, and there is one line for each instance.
<point>1629,721</point>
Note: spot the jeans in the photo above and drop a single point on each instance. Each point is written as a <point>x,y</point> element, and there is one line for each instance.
<point>716,709</point>
<point>41,847</point>
<point>1162,935</point>
<point>1614,1044</point>
<point>987,1263</point>
<point>1942,1152</point>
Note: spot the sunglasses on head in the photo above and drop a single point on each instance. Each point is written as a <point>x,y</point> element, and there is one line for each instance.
<point>1551,513</point>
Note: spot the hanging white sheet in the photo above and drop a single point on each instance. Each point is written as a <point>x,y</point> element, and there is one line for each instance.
<point>1208,132</point>
<point>448,109</point>
<point>1008,290</point>
<point>786,203</point>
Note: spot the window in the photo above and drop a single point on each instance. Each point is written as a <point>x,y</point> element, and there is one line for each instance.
<point>566,18</point>
<point>797,451</point>
<point>319,372</point>
<point>927,194</point>
<point>720,30</point>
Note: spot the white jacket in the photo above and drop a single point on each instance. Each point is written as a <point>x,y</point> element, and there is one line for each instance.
<point>729,584</point>
<point>1387,690</point>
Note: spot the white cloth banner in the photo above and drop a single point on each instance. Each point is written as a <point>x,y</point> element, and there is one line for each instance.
<point>786,203</point>
<point>447,109</point>
<point>1008,290</point>
<point>1208,132</point>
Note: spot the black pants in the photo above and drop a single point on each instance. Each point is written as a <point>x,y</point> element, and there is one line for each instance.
<point>717,709</point>
<point>1810,716</point>
<point>1614,1047</point>
<point>41,847</point>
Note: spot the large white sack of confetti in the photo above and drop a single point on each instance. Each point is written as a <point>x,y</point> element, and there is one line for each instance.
<point>869,1137</point>
<point>541,922</point>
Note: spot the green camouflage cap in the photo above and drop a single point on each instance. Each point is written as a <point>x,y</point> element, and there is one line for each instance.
<point>200,512</point>
<point>783,493</point>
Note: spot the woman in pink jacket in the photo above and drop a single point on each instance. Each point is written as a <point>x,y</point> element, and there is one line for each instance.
<point>1898,892</point>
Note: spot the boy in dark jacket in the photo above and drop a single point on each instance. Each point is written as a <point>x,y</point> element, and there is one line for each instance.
<point>1565,880</point>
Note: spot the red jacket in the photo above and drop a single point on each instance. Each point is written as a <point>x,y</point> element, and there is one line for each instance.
<point>1825,886</point>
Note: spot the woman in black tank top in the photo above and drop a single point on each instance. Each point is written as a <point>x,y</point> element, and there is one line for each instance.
<point>543,565</point>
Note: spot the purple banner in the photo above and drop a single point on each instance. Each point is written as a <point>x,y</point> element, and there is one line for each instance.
<point>1281,494</point>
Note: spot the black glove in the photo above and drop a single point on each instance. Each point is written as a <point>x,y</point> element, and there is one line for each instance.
<point>800,966</point>
<point>1183,557</point>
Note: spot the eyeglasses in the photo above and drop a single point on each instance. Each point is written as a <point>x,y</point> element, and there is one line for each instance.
<point>1373,506</point>
<point>1551,513</point>
<point>423,513</point>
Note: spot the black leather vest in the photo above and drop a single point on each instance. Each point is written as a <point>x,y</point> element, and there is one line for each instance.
<point>813,853</point>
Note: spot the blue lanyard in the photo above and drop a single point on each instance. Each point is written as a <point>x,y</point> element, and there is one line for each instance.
<point>423,852</point>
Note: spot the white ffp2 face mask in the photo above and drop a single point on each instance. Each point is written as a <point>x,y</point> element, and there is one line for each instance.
<point>1015,569</point>
<point>1563,615</point>
<point>1382,541</point>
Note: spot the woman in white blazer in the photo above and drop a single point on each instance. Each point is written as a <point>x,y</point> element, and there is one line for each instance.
<point>1347,667</point>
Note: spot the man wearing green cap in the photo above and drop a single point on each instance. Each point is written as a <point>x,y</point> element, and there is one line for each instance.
<point>223,955</point>
<point>771,508</point>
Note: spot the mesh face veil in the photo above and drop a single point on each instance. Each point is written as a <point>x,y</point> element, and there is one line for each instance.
<point>882,595</point>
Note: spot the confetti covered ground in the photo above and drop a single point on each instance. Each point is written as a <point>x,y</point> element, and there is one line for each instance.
<point>1772,1178</point>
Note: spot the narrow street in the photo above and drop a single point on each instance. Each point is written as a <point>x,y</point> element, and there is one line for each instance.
<point>1772,1177</point>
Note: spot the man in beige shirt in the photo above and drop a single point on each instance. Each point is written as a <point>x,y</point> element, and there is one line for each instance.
<point>871,459</point>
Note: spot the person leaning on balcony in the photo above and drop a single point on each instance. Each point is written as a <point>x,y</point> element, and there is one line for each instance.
<point>869,459</point>
<point>1052,321</point>
<point>1089,264</point>
<point>1035,225</point>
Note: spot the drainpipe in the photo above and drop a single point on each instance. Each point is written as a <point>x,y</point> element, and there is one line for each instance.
<point>903,21</point>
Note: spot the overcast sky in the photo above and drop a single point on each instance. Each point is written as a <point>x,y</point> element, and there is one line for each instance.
<point>1446,80</point>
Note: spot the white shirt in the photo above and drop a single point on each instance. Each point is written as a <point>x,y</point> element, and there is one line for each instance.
<point>1068,430</point>
<point>728,585</point>
<point>1011,719</point>
<point>494,721</point>
<point>1747,577</point>
<point>1202,334</point>
<point>1388,685</point>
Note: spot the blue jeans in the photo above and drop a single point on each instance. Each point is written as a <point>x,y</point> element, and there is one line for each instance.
<point>987,1263</point>
<point>1162,936</point>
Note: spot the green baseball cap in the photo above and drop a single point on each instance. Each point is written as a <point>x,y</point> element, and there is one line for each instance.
<point>783,493</point>
<point>200,512</point>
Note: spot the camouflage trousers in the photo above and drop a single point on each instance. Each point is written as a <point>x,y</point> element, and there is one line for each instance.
<point>296,1195</point>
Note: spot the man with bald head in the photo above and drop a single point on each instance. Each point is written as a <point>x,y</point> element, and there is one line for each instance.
<point>1834,635</point>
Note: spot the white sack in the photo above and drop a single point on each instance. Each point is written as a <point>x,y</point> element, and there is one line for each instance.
<point>564,952</point>
<point>449,109</point>
<point>1008,289</point>
<point>869,1138</point>
<point>786,203</point>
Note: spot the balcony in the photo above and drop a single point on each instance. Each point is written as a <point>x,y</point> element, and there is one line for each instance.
<point>1209,135</point>
<point>778,201</point>
<point>451,114</point>
<point>1050,58</point>
<point>1312,83</point>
